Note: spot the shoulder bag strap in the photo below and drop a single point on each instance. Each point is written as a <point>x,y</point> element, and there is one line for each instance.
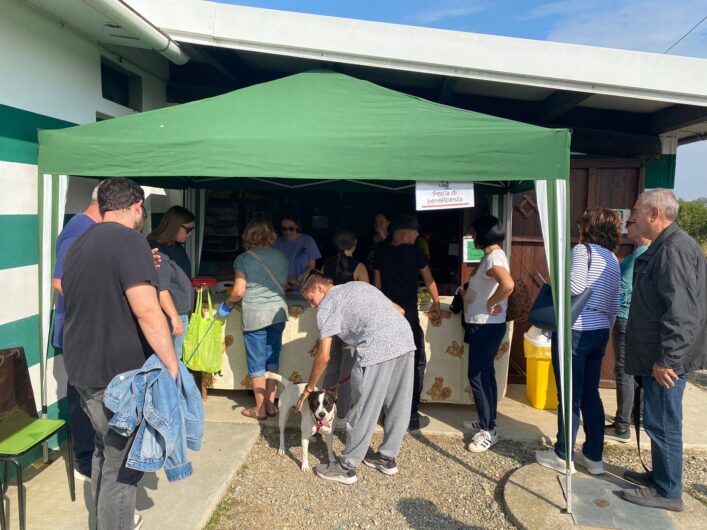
<point>637,418</point>
<point>589,254</point>
<point>268,271</point>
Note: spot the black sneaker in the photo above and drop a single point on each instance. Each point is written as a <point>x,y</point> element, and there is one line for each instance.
<point>336,472</point>
<point>387,466</point>
<point>640,478</point>
<point>612,432</point>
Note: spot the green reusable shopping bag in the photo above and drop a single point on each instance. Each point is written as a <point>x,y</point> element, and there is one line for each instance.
<point>202,343</point>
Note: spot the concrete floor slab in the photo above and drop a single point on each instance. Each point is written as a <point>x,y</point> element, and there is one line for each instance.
<point>534,500</point>
<point>185,504</point>
<point>229,438</point>
<point>517,420</point>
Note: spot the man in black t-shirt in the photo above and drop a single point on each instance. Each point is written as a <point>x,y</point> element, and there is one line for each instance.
<point>398,265</point>
<point>113,323</point>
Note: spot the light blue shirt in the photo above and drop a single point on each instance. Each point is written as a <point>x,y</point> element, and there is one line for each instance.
<point>299,252</point>
<point>263,302</point>
<point>627,280</point>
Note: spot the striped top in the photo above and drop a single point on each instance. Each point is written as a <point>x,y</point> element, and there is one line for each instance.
<point>604,278</point>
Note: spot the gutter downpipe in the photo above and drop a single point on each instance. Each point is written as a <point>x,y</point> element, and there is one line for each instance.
<point>138,26</point>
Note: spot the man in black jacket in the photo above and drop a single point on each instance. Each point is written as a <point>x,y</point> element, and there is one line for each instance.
<point>666,338</point>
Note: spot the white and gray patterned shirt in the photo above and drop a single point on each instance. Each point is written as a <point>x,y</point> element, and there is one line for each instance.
<point>366,320</point>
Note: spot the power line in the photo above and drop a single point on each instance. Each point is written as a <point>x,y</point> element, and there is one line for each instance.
<point>686,34</point>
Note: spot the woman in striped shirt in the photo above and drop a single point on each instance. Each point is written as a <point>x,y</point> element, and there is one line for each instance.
<point>594,266</point>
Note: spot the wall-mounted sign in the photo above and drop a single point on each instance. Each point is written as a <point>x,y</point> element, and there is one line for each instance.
<point>443,195</point>
<point>471,253</point>
<point>624,214</point>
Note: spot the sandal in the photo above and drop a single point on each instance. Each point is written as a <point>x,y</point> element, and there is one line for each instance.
<point>249,412</point>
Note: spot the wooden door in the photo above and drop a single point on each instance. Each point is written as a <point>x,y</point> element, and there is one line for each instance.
<point>603,183</point>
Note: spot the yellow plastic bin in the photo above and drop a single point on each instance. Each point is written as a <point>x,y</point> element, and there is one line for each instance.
<point>541,389</point>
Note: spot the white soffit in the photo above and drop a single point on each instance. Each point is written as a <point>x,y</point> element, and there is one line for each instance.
<point>526,63</point>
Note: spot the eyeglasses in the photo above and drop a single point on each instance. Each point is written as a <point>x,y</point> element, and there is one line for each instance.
<point>188,229</point>
<point>288,228</point>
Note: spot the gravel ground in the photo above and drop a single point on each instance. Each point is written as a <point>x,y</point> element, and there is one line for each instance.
<point>440,486</point>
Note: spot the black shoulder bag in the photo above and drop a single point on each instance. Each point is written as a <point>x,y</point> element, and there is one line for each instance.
<point>542,314</point>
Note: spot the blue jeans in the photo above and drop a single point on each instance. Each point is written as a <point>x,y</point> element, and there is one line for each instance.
<point>179,341</point>
<point>662,420</point>
<point>484,340</point>
<point>262,349</point>
<point>588,349</point>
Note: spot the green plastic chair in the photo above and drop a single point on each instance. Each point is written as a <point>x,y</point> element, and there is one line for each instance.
<point>21,430</point>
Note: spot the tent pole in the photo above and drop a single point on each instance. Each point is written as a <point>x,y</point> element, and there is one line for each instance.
<point>566,336</point>
<point>553,208</point>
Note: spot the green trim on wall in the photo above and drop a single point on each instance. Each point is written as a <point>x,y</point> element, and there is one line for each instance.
<point>18,245</point>
<point>14,150</point>
<point>661,173</point>
<point>22,332</point>
<point>18,133</point>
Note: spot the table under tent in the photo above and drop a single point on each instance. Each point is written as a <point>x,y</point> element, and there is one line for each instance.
<point>315,127</point>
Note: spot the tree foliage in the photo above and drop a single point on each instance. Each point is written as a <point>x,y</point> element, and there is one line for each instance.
<point>693,219</point>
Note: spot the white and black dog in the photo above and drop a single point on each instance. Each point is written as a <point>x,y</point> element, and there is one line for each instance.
<point>317,417</point>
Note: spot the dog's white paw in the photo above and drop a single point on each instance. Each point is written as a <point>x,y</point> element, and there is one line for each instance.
<point>281,452</point>
<point>305,468</point>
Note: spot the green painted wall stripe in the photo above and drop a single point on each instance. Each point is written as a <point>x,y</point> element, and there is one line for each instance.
<point>13,150</point>
<point>18,133</point>
<point>22,333</point>
<point>18,245</point>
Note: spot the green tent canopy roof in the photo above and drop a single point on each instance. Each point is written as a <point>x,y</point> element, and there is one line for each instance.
<point>314,125</point>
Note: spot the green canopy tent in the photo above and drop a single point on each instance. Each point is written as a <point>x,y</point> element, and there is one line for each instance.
<point>315,127</point>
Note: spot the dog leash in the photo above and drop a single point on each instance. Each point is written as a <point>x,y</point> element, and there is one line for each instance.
<point>344,380</point>
<point>637,418</point>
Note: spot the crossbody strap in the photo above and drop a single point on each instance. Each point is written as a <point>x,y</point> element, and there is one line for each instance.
<point>589,254</point>
<point>267,269</point>
<point>637,418</point>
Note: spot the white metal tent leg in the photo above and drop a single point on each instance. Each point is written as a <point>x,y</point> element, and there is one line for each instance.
<point>52,200</point>
<point>553,208</point>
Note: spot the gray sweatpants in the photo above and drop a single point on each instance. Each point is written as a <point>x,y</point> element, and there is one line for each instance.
<point>341,361</point>
<point>386,386</point>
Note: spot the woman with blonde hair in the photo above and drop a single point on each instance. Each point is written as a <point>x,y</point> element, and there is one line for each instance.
<point>261,273</point>
<point>176,293</point>
<point>594,266</point>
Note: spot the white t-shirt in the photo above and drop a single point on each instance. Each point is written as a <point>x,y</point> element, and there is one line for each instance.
<point>481,288</point>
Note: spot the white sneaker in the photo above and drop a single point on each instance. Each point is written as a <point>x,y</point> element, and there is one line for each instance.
<point>471,425</point>
<point>482,441</point>
<point>592,466</point>
<point>550,459</point>
<point>81,477</point>
<point>137,520</point>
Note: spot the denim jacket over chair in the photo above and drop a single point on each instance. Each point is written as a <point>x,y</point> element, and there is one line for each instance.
<point>169,417</point>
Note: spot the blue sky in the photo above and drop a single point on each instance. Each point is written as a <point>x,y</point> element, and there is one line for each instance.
<point>642,25</point>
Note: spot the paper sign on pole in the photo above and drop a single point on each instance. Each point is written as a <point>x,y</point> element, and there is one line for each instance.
<point>443,195</point>
<point>471,253</point>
